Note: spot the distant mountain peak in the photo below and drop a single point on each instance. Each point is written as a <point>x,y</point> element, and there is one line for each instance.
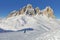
<point>48,11</point>
<point>29,6</point>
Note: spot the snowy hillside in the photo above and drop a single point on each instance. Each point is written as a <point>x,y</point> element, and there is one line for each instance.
<point>29,18</point>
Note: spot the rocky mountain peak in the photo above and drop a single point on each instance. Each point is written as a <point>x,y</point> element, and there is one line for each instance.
<point>37,10</point>
<point>29,6</point>
<point>48,11</point>
<point>29,10</point>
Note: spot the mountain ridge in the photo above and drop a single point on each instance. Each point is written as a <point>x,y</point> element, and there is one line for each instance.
<point>29,17</point>
<point>48,11</point>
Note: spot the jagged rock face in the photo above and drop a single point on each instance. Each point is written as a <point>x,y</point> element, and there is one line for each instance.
<point>29,10</point>
<point>13,13</point>
<point>22,10</point>
<point>37,10</point>
<point>48,11</point>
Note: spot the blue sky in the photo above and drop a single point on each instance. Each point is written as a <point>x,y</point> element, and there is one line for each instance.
<point>6,6</point>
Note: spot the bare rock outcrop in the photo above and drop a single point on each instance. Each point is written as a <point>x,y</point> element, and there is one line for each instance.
<point>48,11</point>
<point>29,10</point>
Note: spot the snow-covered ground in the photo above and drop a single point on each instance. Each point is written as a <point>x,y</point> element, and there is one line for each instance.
<point>43,30</point>
<point>31,35</point>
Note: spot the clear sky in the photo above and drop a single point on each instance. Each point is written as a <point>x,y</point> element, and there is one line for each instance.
<point>6,6</point>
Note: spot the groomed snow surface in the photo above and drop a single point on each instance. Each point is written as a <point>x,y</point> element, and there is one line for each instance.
<point>31,35</point>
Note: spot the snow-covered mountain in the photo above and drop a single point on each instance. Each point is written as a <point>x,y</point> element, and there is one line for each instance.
<point>29,17</point>
<point>30,23</point>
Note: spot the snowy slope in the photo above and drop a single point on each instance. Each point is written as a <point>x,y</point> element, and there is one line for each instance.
<point>23,21</point>
<point>42,24</point>
<point>31,35</point>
